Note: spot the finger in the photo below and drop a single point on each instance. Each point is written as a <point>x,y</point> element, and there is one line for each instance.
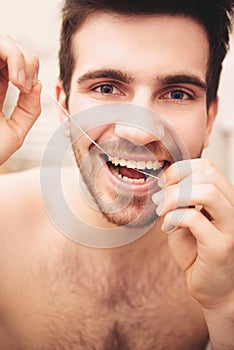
<point>23,117</point>
<point>214,252</point>
<point>192,219</point>
<point>176,172</point>
<point>212,245</point>
<point>183,247</point>
<point>31,65</point>
<point>13,58</point>
<point>31,71</point>
<point>26,111</point>
<point>3,86</point>
<point>205,195</point>
<point>202,171</point>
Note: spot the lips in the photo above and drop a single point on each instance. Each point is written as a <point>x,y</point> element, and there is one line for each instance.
<point>133,171</point>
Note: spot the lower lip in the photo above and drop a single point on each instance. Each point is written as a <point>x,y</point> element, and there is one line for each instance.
<point>151,186</point>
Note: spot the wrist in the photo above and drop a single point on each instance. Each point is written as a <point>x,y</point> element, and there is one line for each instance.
<point>220,323</point>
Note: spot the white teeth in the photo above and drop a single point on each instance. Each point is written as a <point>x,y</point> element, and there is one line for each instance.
<point>136,181</point>
<point>122,162</point>
<point>149,165</point>
<point>141,165</point>
<point>115,161</point>
<point>127,179</point>
<point>131,164</point>
<point>141,180</point>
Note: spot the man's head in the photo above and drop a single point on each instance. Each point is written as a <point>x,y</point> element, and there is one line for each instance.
<point>213,15</point>
<point>164,60</point>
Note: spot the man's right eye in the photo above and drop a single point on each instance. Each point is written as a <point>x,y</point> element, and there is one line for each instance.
<point>107,89</point>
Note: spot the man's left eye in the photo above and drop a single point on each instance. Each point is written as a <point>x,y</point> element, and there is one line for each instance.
<point>107,89</point>
<point>178,95</point>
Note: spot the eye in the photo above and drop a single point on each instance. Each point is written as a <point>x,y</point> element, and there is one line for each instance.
<point>107,89</point>
<point>178,95</point>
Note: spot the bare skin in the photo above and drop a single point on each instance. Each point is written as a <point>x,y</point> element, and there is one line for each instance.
<point>71,296</point>
<point>57,294</point>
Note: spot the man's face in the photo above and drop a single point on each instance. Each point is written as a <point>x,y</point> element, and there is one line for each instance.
<point>157,62</point>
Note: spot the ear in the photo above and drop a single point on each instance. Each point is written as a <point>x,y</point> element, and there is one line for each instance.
<point>61,98</point>
<point>211,115</point>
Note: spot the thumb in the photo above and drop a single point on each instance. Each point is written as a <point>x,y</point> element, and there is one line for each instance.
<point>183,247</point>
<point>25,113</point>
<point>14,130</point>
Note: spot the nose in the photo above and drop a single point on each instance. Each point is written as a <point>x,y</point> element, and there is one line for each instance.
<point>142,127</point>
<point>133,134</point>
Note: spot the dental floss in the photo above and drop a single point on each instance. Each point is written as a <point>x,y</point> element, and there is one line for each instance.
<point>84,133</point>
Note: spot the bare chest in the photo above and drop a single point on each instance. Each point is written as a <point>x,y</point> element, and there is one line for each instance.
<point>86,306</point>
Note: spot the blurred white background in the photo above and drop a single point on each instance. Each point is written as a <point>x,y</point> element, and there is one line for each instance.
<point>36,25</point>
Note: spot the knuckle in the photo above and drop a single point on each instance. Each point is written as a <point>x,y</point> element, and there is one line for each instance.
<point>17,54</point>
<point>19,140</point>
<point>226,249</point>
<point>210,173</point>
<point>211,191</point>
<point>38,110</point>
<point>193,215</point>
<point>209,167</point>
<point>34,60</point>
<point>208,163</point>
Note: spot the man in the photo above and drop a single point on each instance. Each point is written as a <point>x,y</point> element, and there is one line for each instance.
<point>58,294</point>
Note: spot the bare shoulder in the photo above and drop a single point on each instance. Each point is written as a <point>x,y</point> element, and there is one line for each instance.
<point>21,197</point>
<point>19,183</point>
<point>20,194</point>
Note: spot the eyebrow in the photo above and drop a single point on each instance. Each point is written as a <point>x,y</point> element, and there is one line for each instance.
<point>114,74</point>
<point>181,79</point>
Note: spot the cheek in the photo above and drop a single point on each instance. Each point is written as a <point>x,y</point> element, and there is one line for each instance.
<point>100,135</point>
<point>192,131</point>
<point>195,141</point>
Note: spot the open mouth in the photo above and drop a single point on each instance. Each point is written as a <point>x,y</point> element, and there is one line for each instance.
<point>137,172</point>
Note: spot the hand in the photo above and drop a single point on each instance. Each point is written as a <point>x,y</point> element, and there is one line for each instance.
<point>197,203</point>
<point>21,69</point>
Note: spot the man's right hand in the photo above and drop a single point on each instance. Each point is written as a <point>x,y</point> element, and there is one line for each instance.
<point>20,67</point>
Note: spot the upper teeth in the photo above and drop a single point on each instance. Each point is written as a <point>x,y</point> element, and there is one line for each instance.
<point>155,165</point>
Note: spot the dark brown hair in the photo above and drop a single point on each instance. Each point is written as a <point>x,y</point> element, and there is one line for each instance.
<point>214,15</point>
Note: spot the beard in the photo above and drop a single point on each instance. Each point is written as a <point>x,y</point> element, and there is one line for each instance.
<point>118,208</point>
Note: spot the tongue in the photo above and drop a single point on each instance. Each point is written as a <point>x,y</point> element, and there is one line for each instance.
<point>131,173</point>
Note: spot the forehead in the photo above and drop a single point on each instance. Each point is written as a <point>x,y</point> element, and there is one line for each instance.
<point>162,41</point>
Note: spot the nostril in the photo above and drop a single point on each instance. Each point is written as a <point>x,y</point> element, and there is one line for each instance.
<point>135,134</point>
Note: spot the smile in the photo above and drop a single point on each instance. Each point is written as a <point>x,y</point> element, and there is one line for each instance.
<point>135,172</point>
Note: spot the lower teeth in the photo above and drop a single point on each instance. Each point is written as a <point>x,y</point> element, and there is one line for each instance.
<point>136,181</point>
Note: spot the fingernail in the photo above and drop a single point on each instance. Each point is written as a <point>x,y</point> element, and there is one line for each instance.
<point>28,85</point>
<point>158,197</point>
<point>170,228</point>
<point>159,209</point>
<point>162,182</point>
<point>21,77</point>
